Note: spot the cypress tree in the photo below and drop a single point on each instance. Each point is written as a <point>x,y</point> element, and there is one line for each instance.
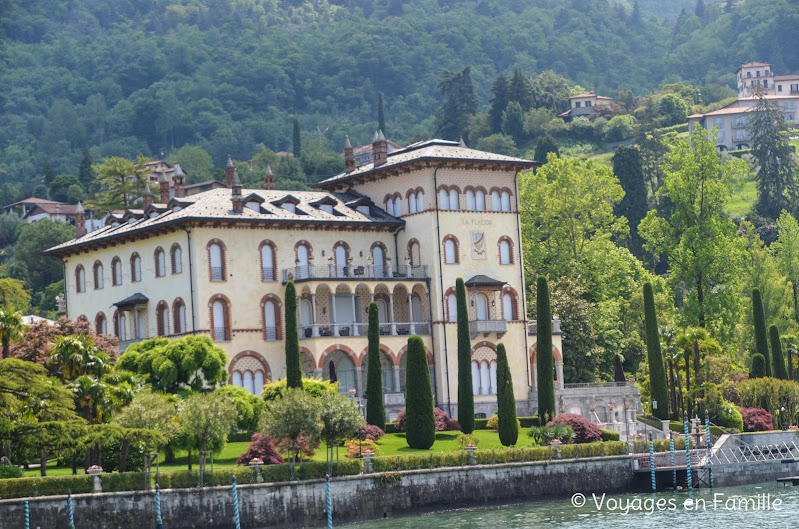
<point>465,389</point>
<point>375,409</point>
<point>758,369</point>
<point>776,354</point>
<point>85,172</point>
<point>293,367</point>
<point>381,116</point>
<point>657,373</point>
<point>420,421</point>
<point>498,103</point>
<point>546,363</point>
<point>297,141</point>
<point>761,340</point>
<point>508,426</point>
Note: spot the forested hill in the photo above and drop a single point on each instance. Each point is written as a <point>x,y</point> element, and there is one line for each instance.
<point>130,76</point>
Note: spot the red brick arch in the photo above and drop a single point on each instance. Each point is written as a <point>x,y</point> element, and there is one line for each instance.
<point>308,245</point>
<point>558,356</point>
<point>278,315</point>
<point>507,239</point>
<point>356,361</point>
<point>255,355</point>
<point>228,318</point>
<point>310,354</point>
<point>451,237</point>
<point>404,348</point>
<point>394,358</point>
<point>478,345</point>
<point>222,247</point>
<point>273,264</point>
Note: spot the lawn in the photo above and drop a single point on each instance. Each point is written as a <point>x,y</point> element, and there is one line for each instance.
<point>743,197</point>
<point>390,445</point>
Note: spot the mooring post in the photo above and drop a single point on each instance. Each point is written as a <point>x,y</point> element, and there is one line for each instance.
<point>236,505</point>
<point>329,503</point>
<point>70,512</point>
<point>158,523</point>
<point>652,462</point>
<point>27,515</point>
<point>707,437</point>
<point>687,453</point>
<point>673,462</point>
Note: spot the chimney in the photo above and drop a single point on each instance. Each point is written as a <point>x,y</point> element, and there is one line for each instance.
<point>379,149</point>
<point>147,197</point>
<point>229,170</point>
<point>238,201</point>
<point>179,178</point>
<point>269,178</point>
<point>164,183</point>
<point>80,221</point>
<point>349,157</point>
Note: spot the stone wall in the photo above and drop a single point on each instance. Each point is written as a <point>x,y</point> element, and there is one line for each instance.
<point>730,475</point>
<point>355,498</point>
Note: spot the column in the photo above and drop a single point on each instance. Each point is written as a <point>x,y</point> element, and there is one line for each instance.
<point>358,382</point>
<point>314,321</point>
<point>333,314</point>
<point>412,329</point>
<point>559,369</point>
<point>354,317</point>
<point>136,324</point>
<point>396,372</point>
<point>391,308</point>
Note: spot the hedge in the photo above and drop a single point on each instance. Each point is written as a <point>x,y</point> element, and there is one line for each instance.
<point>610,435</point>
<point>116,482</point>
<point>680,127</point>
<point>46,486</point>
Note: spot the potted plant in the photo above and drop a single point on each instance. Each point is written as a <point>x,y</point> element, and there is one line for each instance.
<point>256,462</point>
<point>94,470</point>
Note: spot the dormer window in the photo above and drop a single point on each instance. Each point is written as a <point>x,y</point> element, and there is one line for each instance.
<point>255,206</point>
<point>288,203</point>
<point>363,210</point>
<point>288,206</point>
<point>327,208</point>
<point>153,214</point>
<point>175,209</point>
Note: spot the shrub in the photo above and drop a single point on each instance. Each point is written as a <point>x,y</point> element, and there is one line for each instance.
<point>292,343</point>
<point>312,386</point>
<point>609,435</point>
<point>263,447</point>
<point>47,486</point>
<point>443,422</point>
<point>356,447</point>
<point>657,373</point>
<point>493,423</point>
<point>544,435</point>
<point>465,439</point>
<point>756,420</point>
<point>584,430</point>
<point>115,482</point>
<point>508,425</point>
<point>10,471</point>
<point>758,369</point>
<point>371,432</point>
<point>761,339</point>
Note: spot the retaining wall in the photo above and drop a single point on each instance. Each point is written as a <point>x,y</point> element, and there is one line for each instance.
<point>301,504</point>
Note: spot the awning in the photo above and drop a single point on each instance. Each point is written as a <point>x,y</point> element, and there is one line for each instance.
<point>130,302</point>
<point>484,281</point>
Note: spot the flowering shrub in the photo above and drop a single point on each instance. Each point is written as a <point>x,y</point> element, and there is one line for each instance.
<point>371,432</point>
<point>443,421</point>
<point>262,448</point>
<point>354,447</point>
<point>584,430</point>
<point>757,420</point>
<point>466,439</point>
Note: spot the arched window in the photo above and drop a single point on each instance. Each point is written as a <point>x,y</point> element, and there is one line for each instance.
<point>471,204</point>
<point>216,261</point>
<point>450,249</point>
<point>416,310</point>
<point>247,371</point>
<point>220,319</point>
<point>135,268</point>
<point>271,315</point>
<point>496,201</point>
<point>268,261</point>
<point>387,372</point>
<point>415,252</point>
<point>306,319</point>
<point>341,255</point>
<point>443,199</point>
<point>382,311</point>
<point>80,279</point>
<point>390,206</point>
<point>480,200</point>
<point>453,199</point>
<point>492,377</point>
<point>397,206</point>
<point>452,308</point>
<point>379,260</point>
<point>177,259</point>
<point>116,271</point>
<point>162,318</point>
<point>98,275</point>
<point>482,307</point>
<point>505,201</point>
<point>508,312</point>
<point>419,201</point>
<point>412,203</point>
<point>343,369</point>
<point>505,254</point>
<point>100,324</point>
<point>303,251</point>
<point>160,262</point>
<point>179,316</point>
<point>476,377</point>
<point>120,326</point>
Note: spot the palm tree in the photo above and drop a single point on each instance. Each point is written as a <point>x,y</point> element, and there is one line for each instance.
<point>11,329</point>
<point>74,354</point>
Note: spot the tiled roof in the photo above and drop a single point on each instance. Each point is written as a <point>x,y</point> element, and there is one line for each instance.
<point>432,150</point>
<point>33,200</point>
<point>54,208</point>
<point>216,205</point>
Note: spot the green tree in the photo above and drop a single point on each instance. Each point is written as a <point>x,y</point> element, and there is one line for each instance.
<point>206,420</point>
<point>75,194</point>
<point>381,116</point>
<point>293,365</point>
<point>193,361</point>
<point>551,91</point>
<point>9,223</point>
<point>544,359</point>
<point>674,109</point>
<point>520,90</point>
<point>786,251</point>
<point>498,143</point>
<point>13,295</point>
<point>507,425</point>
<point>499,102</point>
<point>420,422</point>
<point>776,181</point>
<point>195,162</point>
<point>121,183</point>
<point>698,239</point>
<point>513,121</point>
<point>294,421</point>
<point>758,369</point>
<point>657,374</point>
<point>59,187</point>
<point>8,194</point>
<point>249,406</point>
<point>761,338</point>
<point>296,139</point>
<point>32,240</point>
<point>465,389</point>
<point>452,119</point>
<point>340,419</point>
<point>148,411</point>
<point>86,174</point>
<point>776,354</point>
<point>546,144</point>
<point>375,409</point>
<point>12,329</point>
<point>627,166</point>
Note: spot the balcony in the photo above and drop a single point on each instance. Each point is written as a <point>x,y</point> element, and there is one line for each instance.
<point>487,326</point>
<point>532,327</point>
<point>324,330</point>
<point>740,123</point>
<point>354,273</point>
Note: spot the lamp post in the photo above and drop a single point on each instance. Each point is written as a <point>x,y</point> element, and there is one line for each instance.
<point>782,417</point>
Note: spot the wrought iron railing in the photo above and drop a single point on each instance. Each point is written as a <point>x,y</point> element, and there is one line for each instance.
<point>360,329</point>
<point>216,273</point>
<point>268,274</point>
<point>353,272</point>
<point>220,334</point>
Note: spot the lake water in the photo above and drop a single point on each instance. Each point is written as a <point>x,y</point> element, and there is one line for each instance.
<point>768,505</point>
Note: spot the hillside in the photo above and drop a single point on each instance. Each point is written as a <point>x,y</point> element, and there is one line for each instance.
<point>124,77</point>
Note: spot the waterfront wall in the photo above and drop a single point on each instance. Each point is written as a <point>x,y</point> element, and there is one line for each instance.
<point>730,475</point>
<point>355,498</point>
